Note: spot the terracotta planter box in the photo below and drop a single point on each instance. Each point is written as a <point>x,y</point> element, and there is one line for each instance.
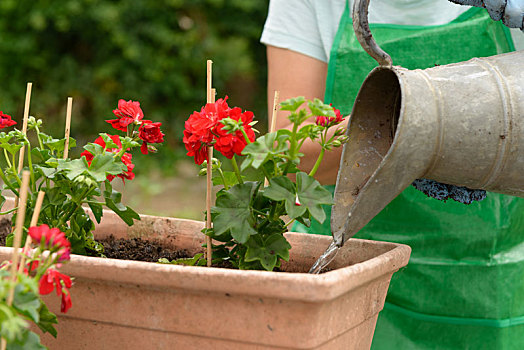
<point>129,305</point>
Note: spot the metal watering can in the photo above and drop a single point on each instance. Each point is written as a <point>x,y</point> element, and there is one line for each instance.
<point>460,124</point>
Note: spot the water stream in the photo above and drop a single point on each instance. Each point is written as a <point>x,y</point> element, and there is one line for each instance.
<point>325,259</point>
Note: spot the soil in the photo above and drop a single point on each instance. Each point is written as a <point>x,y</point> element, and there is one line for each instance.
<point>124,249</point>
<point>139,250</point>
<point>5,230</point>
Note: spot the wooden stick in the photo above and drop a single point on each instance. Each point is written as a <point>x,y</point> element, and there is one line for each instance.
<point>34,222</point>
<point>273,121</point>
<point>209,242</point>
<point>24,130</point>
<point>68,126</point>
<point>209,80</point>
<point>18,237</point>
<point>209,250</point>
<point>275,111</point>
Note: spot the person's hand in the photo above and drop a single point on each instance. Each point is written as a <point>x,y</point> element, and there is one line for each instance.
<point>444,192</point>
<point>511,12</point>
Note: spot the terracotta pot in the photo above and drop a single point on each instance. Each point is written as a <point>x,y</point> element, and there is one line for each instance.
<point>120,304</point>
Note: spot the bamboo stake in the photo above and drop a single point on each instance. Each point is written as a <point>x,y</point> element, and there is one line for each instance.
<point>68,126</point>
<point>20,217</point>
<point>273,121</point>
<point>275,112</point>
<point>24,130</point>
<point>34,222</point>
<point>210,99</point>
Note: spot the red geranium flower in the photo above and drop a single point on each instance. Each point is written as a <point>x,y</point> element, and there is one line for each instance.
<point>126,157</point>
<point>53,279</point>
<point>128,112</point>
<point>66,301</point>
<point>330,121</point>
<point>230,144</point>
<point>52,237</point>
<point>5,120</point>
<point>199,128</point>
<point>150,132</point>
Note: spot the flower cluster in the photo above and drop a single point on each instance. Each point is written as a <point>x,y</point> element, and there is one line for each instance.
<point>5,120</point>
<point>328,121</point>
<point>129,114</point>
<point>51,239</point>
<point>208,128</point>
<point>59,247</point>
<point>129,117</point>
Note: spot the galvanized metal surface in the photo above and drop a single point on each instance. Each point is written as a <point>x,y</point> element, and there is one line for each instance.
<point>361,27</point>
<point>460,124</point>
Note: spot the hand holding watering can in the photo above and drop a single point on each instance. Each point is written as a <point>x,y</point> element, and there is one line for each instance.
<point>511,12</point>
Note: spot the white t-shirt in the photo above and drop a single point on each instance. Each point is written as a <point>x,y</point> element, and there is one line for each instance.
<point>309,26</point>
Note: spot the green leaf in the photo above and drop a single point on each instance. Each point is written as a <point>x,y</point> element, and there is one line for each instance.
<point>233,212</point>
<point>292,104</point>
<point>319,108</point>
<point>73,168</point>
<point>57,145</point>
<point>229,176</point>
<point>94,148</point>
<point>26,302</point>
<point>40,155</point>
<point>127,214</point>
<point>47,320</point>
<point>183,261</point>
<point>312,195</point>
<point>108,141</point>
<point>46,172</point>
<point>28,341</point>
<point>262,149</point>
<point>97,210</point>
<point>104,164</point>
<point>281,188</point>
<point>10,147</point>
<point>11,324</point>
<point>267,250</point>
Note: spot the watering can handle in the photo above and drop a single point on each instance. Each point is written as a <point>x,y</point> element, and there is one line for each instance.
<point>363,34</point>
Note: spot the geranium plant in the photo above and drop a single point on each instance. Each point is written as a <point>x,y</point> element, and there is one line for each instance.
<point>248,216</point>
<point>71,185</point>
<point>38,276</point>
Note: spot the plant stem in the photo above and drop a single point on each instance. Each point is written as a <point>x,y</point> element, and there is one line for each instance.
<point>237,171</point>
<point>39,138</point>
<point>317,163</point>
<point>64,218</point>
<point>265,173</point>
<point>289,223</point>
<point>245,136</point>
<point>226,187</point>
<point>30,163</point>
<point>7,183</point>
<point>15,171</point>
<point>7,158</point>
<point>292,148</point>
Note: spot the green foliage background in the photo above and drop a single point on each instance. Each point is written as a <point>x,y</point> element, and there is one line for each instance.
<point>153,51</point>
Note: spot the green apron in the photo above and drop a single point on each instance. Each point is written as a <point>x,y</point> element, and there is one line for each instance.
<point>464,285</point>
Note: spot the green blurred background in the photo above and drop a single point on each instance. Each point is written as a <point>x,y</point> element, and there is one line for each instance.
<point>155,52</point>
